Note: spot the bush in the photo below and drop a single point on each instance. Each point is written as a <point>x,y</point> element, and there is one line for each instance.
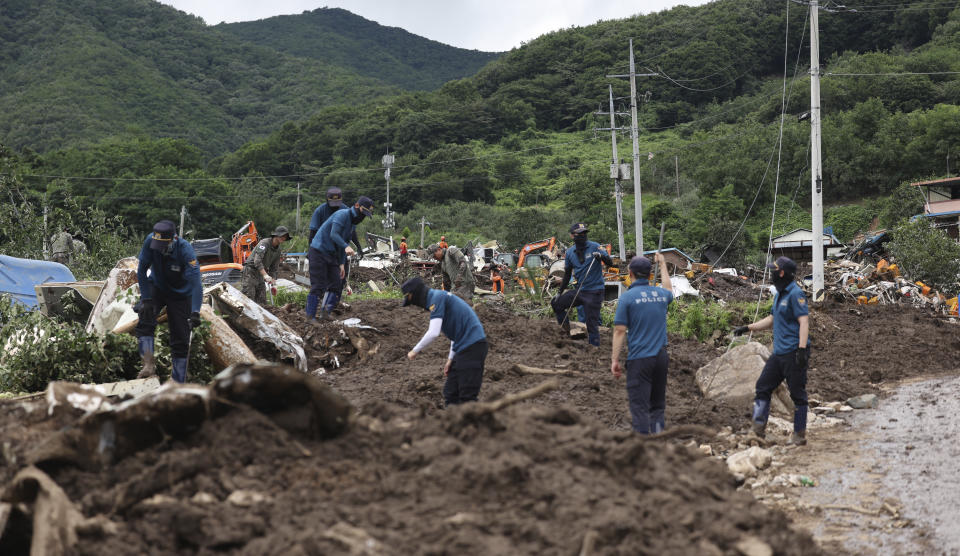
<point>924,252</point>
<point>37,350</point>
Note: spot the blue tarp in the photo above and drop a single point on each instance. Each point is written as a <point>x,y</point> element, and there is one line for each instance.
<point>18,276</point>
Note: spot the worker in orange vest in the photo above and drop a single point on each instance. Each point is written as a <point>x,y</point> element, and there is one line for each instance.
<point>496,279</point>
<point>443,242</point>
<point>403,248</point>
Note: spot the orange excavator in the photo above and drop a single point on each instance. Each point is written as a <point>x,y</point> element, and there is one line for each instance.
<point>532,264</point>
<point>243,242</point>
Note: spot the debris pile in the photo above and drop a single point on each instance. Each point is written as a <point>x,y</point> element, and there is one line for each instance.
<point>867,283</point>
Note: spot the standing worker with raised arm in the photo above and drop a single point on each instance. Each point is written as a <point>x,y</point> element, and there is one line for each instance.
<point>262,265</point>
<point>173,282</point>
<point>790,320</point>
<point>584,261</point>
<point>468,342</point>
<point>328,256</point>
<point>641,320</point>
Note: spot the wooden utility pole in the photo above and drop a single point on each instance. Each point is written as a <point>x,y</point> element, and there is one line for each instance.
<point>183,215</point>
<point>298,209</point>
<point>676,165</point>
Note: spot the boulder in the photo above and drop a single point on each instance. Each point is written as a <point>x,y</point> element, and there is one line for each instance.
<point>731,379</point>
<point>865,401</point>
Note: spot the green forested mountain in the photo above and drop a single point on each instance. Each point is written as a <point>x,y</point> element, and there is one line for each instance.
<point>510,153</point>
<point>77,71</point>
<point>389,54</point>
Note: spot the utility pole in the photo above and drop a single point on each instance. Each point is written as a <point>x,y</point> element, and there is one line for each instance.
<point>637,201</point>
<point>46,234</point>
<point>388,215</point>
<point>423,224</point>
<point>183,214</point>
<point>676,165</point>
<point>618,170</point>
<point>298,208</point>
<point>816,174</point>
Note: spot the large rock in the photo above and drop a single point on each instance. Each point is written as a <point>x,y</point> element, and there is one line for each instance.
<point>749,461</point>
<point>732,378</point>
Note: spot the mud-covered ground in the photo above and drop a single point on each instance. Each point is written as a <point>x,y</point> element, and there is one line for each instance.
<point>547,476</point>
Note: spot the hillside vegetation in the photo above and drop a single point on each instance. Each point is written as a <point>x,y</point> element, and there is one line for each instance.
<point>511,153</point>
<point>74,72</point>
<point>389,54</point>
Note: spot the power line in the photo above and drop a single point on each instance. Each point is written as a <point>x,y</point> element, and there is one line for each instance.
<point>894,74</point>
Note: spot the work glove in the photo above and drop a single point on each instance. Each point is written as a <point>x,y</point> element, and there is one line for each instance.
<point>802,357</point>
<point>741,330</point>
<point>148,311</point>
<point>597,256</point>
<point>269,279</point>
<point>194,319</point>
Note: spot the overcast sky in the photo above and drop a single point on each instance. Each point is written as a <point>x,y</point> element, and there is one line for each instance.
<point>491,25</point>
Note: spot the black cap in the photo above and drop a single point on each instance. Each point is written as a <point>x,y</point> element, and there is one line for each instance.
<point>335,197</point>
<point>281,231</point>
<point>785,264</point>
<point>414,291</point>
<point>640,266</point>
<point>578,228</point>
<point>163,232</point>
<point>366,205</point>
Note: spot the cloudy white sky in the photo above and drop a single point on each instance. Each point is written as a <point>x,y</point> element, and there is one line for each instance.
<point>491,25</point>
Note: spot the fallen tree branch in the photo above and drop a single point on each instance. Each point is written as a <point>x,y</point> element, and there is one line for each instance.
<point>482,408</point>
<point>527,370</point>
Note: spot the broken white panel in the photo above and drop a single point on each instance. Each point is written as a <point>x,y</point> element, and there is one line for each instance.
<point>681,286</point>
<point>727,271</point>
<point>289,285</point>
<point>106,315</point>
<point>243,312</point>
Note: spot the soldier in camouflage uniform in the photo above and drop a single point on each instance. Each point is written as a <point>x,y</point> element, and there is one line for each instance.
<point>262,264</point>
<point>62,248</point>
<point>456,271</point>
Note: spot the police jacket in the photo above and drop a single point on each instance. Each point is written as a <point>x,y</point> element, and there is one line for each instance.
<point>589,274</point>
<point>174,272</point>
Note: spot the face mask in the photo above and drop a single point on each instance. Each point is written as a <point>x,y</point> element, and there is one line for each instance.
<point>580,240</point>
<point>358,217</point>
<point>781,283</point>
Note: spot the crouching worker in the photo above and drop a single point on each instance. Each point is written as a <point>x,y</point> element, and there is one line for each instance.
<point>791,350</point>
<point>641,319</point>
<point>468,342</point>
<point>174,283</point>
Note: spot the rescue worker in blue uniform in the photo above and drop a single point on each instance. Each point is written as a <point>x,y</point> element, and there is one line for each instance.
<point>468,342</point>
<point>791,350</point>
<point>584,261</point>
<point>322,213</point>
<point>173,282</point>
<point>641,321</point>
<point>328,256</point>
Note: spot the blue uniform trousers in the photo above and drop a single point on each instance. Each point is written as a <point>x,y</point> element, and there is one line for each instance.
<point>466,374</point>
<point>589,303</point>
<point>324,277</point>
<point>647,391</point>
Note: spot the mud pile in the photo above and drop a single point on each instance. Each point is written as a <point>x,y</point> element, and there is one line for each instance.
<point>523,480</point>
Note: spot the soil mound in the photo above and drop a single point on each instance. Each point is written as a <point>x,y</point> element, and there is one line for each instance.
<point>524,480</point>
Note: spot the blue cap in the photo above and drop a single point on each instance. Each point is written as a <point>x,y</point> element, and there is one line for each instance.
<point>366,205</point>
<point>640,266</point>
<point>162,235</point>
<point>785,264</point>
<point>334,197</point>
<point>578,228</point>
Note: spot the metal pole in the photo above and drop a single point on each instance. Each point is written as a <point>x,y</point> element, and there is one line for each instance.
<point>388,216</point>
<point>422,220</point>
<point>676,163</point>
<point>183,214</point>
<point>46,250</point>
<point>637,202</point>
<point>617,189</point>
<point>816,175</point>
<point>298,209</point>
